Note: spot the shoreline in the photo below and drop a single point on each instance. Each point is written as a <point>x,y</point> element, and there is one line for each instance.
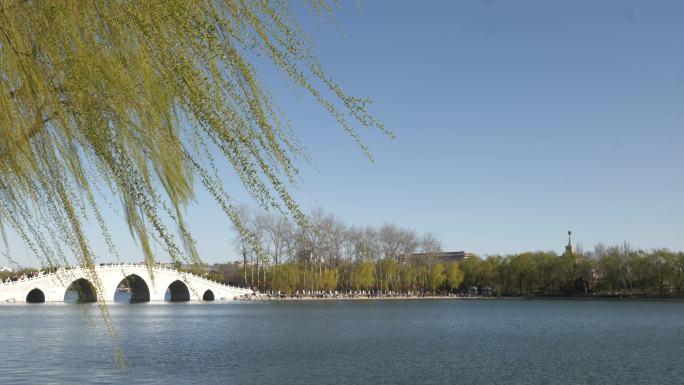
<point>474,298</point>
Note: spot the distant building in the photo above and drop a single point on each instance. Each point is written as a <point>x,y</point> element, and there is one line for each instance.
<point>445,257</point>
<point>5,269</point>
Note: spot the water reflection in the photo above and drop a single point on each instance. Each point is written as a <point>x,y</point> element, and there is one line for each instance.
<point>442,342</point>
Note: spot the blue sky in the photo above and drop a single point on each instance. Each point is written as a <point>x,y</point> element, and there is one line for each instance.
<point>515,122</point>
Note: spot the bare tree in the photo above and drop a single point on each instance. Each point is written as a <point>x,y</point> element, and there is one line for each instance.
<point>389,237</point>
<point>280,231</point>
<point>242,236</point>
<point>262,246</point>
<point>409,243</point>
<point>430,246</point>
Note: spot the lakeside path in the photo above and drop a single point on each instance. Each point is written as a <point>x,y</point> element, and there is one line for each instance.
<point>365,298</point>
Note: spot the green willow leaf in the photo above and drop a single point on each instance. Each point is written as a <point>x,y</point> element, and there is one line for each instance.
<point>129,99</point>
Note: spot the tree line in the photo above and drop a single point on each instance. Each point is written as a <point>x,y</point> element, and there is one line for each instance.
<point>325,254</point>
<point>607,270</point>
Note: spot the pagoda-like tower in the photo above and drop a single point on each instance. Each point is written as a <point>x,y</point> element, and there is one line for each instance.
<point>568,247</point>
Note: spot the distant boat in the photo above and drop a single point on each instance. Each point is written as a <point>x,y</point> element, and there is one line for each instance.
<point>123,290</point>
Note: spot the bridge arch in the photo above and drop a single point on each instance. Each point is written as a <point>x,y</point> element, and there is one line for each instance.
<point>35,296</point>
<point>208,295</point>
<point>80,291</point>
<point>178,291</point>
<point>136,286</point>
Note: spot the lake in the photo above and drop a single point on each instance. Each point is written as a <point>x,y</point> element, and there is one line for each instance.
<point>348,342</point>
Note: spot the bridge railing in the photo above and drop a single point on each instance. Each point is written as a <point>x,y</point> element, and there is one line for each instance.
<point>41,274</point>
<point>173,270</point>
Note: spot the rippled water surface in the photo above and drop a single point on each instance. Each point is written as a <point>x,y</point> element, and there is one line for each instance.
<point>348,342</point>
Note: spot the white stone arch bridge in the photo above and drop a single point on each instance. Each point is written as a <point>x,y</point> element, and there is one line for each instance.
<point>79,283</point>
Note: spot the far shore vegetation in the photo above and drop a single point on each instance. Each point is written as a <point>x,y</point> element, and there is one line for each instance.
<point>606,271</point>
<point>328,255</point>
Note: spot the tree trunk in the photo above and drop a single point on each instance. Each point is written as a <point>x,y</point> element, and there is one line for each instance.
<point>244,265</point>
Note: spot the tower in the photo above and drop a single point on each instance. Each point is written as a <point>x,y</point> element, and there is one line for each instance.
<point>568,247</point>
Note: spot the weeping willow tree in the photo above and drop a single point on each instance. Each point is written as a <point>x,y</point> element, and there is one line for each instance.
<point>133,100</point>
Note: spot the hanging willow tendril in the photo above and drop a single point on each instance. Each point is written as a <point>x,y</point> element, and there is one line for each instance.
<point>131,98</point>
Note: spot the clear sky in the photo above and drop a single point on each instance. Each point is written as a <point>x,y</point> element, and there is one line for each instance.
<point>515,122</point>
